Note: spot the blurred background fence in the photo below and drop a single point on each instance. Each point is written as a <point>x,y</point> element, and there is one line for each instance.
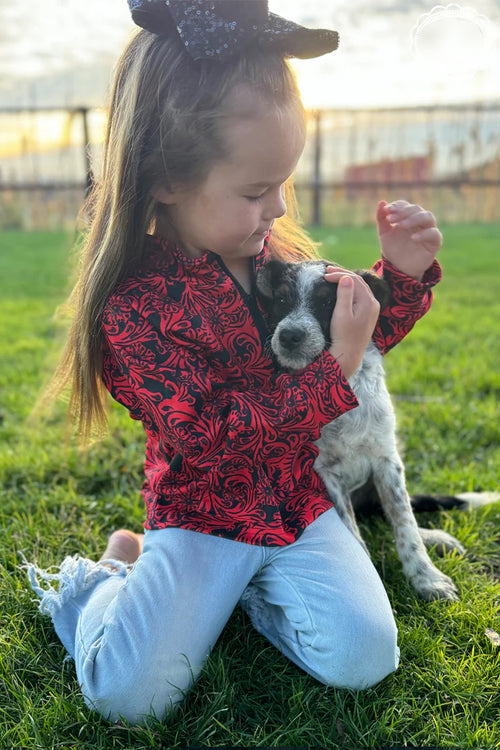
<point>445,157</point>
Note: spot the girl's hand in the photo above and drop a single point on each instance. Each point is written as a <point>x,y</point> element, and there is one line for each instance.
<point>354,319</point>
<point>409,237</point>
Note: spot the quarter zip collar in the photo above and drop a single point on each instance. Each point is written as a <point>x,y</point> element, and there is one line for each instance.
<point>204,270</point>
<point>206,263</point>
<point>250,299</point>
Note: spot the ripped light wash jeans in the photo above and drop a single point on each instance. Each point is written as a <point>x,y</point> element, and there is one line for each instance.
<point>141,636</point>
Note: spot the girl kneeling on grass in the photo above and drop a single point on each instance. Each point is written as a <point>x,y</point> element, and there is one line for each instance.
<point>205,129</point>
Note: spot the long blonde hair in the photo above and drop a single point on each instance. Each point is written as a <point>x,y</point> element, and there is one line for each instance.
<point>163,129</point>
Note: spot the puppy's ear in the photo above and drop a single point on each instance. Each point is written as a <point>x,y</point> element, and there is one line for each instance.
<point>268,278</point>
<point>379,287</point>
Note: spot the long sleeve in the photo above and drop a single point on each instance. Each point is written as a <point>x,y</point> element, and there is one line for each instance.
<point>411,299</point>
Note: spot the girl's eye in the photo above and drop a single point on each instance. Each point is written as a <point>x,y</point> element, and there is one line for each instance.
<point>253,197</point>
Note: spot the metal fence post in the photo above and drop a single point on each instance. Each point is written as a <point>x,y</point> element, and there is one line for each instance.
<point>89,178</point>
<point>316,177</point>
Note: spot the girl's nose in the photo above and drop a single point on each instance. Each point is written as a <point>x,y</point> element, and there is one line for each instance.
<point>275,206</point>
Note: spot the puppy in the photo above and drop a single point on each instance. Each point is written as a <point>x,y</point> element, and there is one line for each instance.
<point>360,446</point>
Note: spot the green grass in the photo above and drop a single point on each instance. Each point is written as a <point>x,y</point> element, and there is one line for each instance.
<point>55,501</point>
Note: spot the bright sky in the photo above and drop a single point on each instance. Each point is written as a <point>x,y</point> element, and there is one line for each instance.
<point>392,53</point>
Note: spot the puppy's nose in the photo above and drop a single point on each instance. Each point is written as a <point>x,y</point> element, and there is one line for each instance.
<point>291,337</point>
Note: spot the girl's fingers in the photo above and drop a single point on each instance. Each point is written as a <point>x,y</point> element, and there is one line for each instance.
<point>432,235</point>
<point>409,216</point>
<point>337,269</point>
<point>345,293</point>
<point>334,274</point>
<point>351,287</point>
<point>399,206</point>
<point>421,219</point>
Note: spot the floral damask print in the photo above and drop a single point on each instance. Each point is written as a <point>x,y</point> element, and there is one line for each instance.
<point>230,437</point>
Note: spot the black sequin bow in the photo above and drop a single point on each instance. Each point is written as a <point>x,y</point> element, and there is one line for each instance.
<point>221,28</point>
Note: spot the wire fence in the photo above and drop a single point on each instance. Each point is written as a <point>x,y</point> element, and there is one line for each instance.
<point>444,157</point>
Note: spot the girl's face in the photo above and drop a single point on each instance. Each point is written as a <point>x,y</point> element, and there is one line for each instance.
<point>232,211</point>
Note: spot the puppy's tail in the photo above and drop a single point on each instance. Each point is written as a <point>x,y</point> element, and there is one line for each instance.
<point>463,501</point>
<point>366,501</point>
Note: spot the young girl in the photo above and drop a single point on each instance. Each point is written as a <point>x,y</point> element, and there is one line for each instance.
<point>205,129</point>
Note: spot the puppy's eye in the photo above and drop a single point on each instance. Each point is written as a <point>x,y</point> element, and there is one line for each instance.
<point>282,299</point>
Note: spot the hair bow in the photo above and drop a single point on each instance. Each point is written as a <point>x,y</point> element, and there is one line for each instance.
<point>221,28</point>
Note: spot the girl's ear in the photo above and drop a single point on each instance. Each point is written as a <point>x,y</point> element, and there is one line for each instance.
<point>164,195</point>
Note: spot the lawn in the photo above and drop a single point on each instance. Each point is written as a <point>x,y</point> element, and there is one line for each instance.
<point>445,380</point>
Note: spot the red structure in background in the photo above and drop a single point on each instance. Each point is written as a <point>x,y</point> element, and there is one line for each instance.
<point>415,171</point>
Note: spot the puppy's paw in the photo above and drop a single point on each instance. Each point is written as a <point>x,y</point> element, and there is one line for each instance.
<point>438,586</point>
<point>441,541</point>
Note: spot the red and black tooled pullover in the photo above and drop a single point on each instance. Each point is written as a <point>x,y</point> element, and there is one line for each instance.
<point>230,439</point>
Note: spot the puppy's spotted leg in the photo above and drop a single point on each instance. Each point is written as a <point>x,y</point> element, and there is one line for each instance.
<point>342,502</point>
<point>428,581</point>
<point>441,541</point>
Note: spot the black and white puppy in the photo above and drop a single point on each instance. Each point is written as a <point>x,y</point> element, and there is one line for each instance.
<point>359,446</point>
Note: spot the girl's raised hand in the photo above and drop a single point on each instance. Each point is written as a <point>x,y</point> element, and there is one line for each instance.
<point>409,237</point>
<point>354,319</point>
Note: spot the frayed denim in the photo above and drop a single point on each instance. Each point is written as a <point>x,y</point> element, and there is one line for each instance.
<point>141,634</point>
